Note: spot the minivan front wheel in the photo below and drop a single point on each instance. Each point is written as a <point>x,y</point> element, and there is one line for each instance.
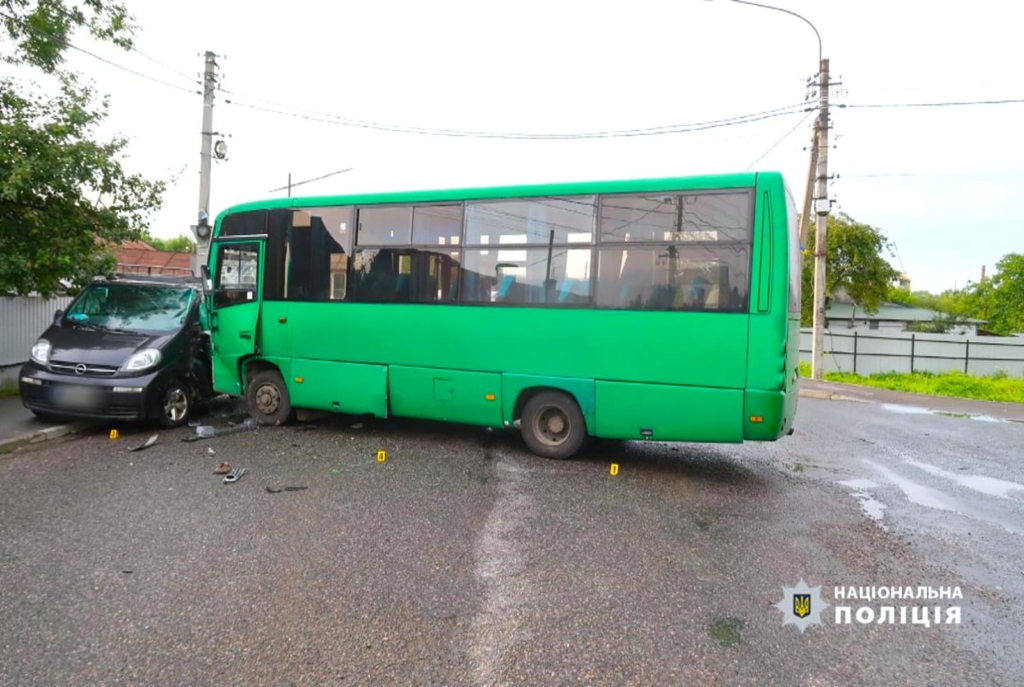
<point>176,404</point>
<point>267,398</point>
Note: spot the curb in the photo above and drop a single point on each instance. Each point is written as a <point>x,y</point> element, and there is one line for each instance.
<point>39,436</point>
<point>829,396</point>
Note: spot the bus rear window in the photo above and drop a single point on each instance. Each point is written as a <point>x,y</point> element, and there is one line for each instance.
<point>796,261</point>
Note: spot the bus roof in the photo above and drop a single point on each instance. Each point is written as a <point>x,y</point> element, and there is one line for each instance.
<point>740,180</point>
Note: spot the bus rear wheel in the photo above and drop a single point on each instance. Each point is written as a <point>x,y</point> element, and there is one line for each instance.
<point>267,398</point>
<point>552,425</point>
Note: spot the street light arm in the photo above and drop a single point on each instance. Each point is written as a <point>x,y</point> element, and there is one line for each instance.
<point>801,18</point>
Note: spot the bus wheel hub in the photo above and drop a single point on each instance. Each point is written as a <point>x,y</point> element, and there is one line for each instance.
<point>553,425</point>
<point>268,398</point>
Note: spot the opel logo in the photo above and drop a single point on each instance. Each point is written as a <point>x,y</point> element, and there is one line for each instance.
<point>80,369</point>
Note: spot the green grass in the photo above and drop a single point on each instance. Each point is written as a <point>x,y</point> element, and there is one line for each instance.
<point>997,387</point>
<point>4,393</point>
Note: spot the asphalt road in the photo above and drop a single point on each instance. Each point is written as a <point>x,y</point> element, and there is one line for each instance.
<point>464,560</point>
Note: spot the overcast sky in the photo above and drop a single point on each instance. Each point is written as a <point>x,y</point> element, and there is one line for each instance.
<point>548,67</point>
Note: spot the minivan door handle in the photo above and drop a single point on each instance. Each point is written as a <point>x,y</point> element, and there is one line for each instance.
<point>245,335</point>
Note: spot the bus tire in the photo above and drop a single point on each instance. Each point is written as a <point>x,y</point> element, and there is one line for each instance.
<point>267,398</point>
<point>552,425</point>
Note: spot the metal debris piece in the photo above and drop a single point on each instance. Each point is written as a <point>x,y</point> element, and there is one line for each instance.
<point>149,442</point>
<point>234,475</point>
<point>210,451</point>
<point>278,490</point>
<point>358,425</point>
<point>222,469</point>
<point>206,431</point>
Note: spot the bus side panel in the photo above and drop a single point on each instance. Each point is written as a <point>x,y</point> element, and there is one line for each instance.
<point>341,387</point>
<point>275,341</point>
<point>671,413</point>
<point>769,317</point>
<point>582,390</point>
<point>775,408</point>
<point>472,398</point>
<point>701,349</point>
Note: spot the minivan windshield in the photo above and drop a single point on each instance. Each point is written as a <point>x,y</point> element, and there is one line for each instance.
<point>134,308</point>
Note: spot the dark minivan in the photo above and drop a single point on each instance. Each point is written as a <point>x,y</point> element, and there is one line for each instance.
<point>129,348</point>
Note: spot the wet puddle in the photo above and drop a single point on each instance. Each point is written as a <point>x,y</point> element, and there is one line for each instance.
<point>980,483</point>
<point>916,410</point>
<point>932,498</point>
<point>871,506</point>
<point>918,493</point>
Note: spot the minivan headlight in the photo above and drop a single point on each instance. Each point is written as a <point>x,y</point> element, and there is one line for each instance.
<point>41,351</point>
<point>143,360</point>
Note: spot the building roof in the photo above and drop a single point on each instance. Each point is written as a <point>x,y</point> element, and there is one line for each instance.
<point>893,312</point>
<point>141,258</point>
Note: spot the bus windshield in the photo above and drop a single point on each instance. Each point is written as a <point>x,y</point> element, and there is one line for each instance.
<point>133,308</point>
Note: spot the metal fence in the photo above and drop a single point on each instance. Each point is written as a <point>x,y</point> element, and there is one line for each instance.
<point>869,353</point>
<point>22,320</point>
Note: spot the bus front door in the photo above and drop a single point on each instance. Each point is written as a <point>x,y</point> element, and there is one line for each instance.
<point>234,325</point>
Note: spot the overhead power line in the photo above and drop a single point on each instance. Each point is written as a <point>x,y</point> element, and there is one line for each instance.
<point>65,42</point>
<point>624,133</point>
<point>784,137</point>
<point>131,71</point>
<point>194,78</point>
<point>1004,101</point>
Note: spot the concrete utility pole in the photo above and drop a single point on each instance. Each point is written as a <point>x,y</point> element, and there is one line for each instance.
<point>821,206</point>
<point>203,229</point>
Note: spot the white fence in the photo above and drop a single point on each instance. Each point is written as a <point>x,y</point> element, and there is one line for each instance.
<point>22,320</point>
<point>869,353</point>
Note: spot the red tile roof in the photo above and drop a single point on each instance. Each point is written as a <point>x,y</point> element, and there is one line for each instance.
<point>137,257</point>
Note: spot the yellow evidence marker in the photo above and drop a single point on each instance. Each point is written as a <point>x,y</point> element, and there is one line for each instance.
<point>114,434</point>
<point>382,456</point>
<point>614,469</point>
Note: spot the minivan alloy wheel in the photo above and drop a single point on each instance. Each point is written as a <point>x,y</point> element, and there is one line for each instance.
<point>175,404</point>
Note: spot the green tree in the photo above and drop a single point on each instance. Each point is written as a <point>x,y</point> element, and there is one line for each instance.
<point>65,198</point>
<point>180,244</point>
<point>854,264</point>
<point>1000,299</point>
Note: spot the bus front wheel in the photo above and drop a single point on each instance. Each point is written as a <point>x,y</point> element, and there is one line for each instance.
<point>267,398</point>
<point>552,425</point>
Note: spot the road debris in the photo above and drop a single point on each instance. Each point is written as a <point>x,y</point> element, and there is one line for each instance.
<point>149,442</point>
<point>210,451</point>
<point>234,475</point>
<point>208,431</point>
<point>278,490</point>
<point>222,469</point>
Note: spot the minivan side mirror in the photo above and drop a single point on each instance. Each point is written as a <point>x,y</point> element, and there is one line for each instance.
<point>207,281</point>
<point>57,315</point>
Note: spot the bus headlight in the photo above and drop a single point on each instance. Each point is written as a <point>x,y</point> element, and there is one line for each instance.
<point>41,351</point>
<point>143,360</point>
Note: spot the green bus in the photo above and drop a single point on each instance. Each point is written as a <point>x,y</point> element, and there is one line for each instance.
<point>651,309</point>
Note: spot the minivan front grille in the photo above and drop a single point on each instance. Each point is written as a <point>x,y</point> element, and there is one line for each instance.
<point>81,369</point>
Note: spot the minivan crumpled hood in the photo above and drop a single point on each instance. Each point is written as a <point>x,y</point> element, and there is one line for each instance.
<point>95,347</point>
